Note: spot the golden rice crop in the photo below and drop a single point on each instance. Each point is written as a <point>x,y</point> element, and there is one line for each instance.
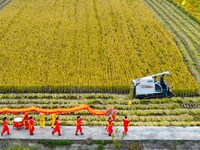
<point>91,44</point>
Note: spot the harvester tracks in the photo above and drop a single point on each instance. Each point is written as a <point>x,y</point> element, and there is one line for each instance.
<point>177,27</point>
<point>193,35</point>
<point>186,32</point>
<point>183,16</point>
<point>3,3</point>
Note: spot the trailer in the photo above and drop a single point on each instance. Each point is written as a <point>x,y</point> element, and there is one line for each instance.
<point>150,87</point>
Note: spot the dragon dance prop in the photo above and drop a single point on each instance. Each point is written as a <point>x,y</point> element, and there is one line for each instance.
<point>54,110</point>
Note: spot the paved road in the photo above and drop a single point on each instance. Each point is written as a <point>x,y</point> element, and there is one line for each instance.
<point>98,133</point>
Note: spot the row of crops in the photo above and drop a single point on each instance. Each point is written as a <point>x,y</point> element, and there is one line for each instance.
<point>192,7</point>
<point>184,30</point>
<point>152,112</point>
<point>86,46</point>
<point>3,3</point>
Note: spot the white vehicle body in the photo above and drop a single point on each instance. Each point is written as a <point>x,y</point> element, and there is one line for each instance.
<point>150,87</point>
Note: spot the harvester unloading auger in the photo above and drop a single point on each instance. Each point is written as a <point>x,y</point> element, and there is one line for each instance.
<point>55,110</point>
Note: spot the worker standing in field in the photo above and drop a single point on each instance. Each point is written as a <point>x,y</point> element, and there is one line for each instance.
<point>25,120</point>
<point>31,125</point>
<point>57,127</point>
<point>126,124</point>
<point>42,120</point>
<point>109,126</point>
<point>78,125</point>
<point>5,127</point>
<point>54,116</point>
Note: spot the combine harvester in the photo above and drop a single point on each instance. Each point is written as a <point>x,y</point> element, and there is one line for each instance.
<point>149,87</point>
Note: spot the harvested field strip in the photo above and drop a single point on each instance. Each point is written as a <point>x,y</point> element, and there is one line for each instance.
<point>157,112</point>
<point>190,7</point>
<point>192,33</point>
<point>185,30</point>
<point>193,25</point>
<point>3,3</point>
<point>188,41</point>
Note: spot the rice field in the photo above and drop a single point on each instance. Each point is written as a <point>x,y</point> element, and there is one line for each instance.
<point>86,46</point>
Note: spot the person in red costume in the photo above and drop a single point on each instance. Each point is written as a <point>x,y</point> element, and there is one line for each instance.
<point>126,124</point>
<point>78,125</point>
<point>57,127</point>
<point>109,126</point>
<point>31,125</point>
<point>114,113</point>
<point>26,121</point>
<point>5,127</point>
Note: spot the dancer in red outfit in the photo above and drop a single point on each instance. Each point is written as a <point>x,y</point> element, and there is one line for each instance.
<point>57,128</point>
<point>109,127</point>
<point>31,125</point>
<point>5,127</point>
<point>114,113</point>
<point>78,125</point>
<point>126,124</point>
<point>26,121</point>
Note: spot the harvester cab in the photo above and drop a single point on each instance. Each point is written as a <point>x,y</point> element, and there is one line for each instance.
<point>149,87</point>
